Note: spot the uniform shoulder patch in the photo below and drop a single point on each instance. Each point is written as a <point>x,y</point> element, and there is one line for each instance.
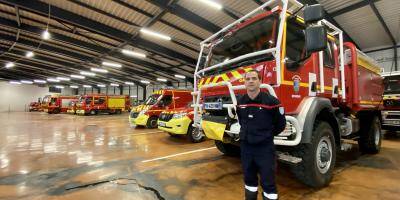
<point>281,110</point>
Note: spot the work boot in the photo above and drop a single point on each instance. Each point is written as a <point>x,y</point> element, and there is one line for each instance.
<point>266,198</point>
<point>249,195</point>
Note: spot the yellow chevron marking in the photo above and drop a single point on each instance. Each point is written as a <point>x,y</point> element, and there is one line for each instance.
<point>236,74</point>
<point>208,80</point>
<point>225,77</point>
<point>216,79</point>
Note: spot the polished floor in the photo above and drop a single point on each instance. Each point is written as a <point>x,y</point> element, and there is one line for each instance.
<point>100,157</point>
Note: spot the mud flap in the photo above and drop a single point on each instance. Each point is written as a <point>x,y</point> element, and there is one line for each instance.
<point>213,130</point>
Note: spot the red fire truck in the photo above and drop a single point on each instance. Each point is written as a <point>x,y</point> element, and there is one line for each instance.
<point>72,107</point>
<point>330,90</point>
<point>34,106</point>
<point>54,104</point>
<point>100,103</point>
<point>391,101</point>
<point>148,113</point>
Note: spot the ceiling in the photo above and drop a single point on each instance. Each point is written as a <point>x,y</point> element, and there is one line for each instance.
<point>85,33</point>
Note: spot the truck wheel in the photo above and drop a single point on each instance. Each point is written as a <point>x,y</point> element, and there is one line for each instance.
<point>93,112</point>
<point>228,149</point>
<point>56,111</point>
<point>152,122</point>
<point>194,134</point>
<point>370,137</point>
<point>119,111</point>
<point>319,157</point>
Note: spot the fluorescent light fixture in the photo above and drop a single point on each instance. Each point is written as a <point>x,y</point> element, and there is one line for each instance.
<point>155,34</point>
<point>114,84</point>
<point>46,34</point>
<point>39,81</point>
<point>98,70</point>
<point>111,64</point>
<point>145,82</point>
<point>74,86</point>
<point>77,76</point>
<point>15,82</point>
<point>212,4</point>
<point>29,54</point>
<point>101,85</point>
<point>162,79</point>
<point>59,86</point>
<point>180,76</point>
<point>63,79</point>
<point>133,53</point>
<point>133,96</point>
<point>10,64</point>
<point>26,82</point>
<point>87,86</point>
<point>53,80</point>
<point>88,73</point>
<point>129,83</point>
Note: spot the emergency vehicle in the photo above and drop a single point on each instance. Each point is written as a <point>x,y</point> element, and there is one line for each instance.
<point>55,104</point>
<point>329,90</point>
<point>94,104</point>
<point>34,106</point>
<point>147,114</point>
<point>72,107</point>
<point>391,101</point>
<point>179,122</point>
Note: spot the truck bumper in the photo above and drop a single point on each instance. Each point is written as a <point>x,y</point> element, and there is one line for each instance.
<point>80,112</point>
<point>141,120</point>
<point>178,126</point>
<point>213,130</point>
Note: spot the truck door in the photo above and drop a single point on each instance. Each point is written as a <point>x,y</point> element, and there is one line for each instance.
<point>100,103</point>
<point>330,71</point>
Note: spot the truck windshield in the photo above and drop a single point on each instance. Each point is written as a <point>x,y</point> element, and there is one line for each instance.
<point>152,99</point>
<point>257,36</point>
<point>392,85</point>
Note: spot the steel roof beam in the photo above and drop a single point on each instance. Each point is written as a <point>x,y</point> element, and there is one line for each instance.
<point>350,8</point>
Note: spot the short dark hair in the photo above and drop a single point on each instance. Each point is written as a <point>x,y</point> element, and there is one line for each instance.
<point>253,70</point>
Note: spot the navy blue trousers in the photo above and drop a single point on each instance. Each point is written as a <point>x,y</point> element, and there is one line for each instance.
<point>259,159</point>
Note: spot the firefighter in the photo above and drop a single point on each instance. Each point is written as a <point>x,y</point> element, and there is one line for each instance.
<point>261,118</point>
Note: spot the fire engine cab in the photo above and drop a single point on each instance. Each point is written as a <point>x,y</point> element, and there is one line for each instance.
<point>329,89</point>
<point>391,101</point>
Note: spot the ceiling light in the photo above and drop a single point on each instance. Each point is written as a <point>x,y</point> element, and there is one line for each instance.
<point>63,79</point>
<point>10,64</point>
<point>133,53</point>
<point>162,79</point>
<point>59,86</point>
<point>53,80</point>
<point>15,82</point>
<point>155,34</point>
<point>26,82</point>
<point>212,4</point>
<point>98,70</point>
<point>114,84</point>
<point>111,64</point>
<point>129,83</point>
<point>39,81</point>
<point>74,86</point>
<point>29,54</point>
<point>87,73</point>
<point>180,76</point>
<point>87,86</point>
<point>145,82</point>
<point>101,85</point>
<point>77,76</point>
<point>46,35</point>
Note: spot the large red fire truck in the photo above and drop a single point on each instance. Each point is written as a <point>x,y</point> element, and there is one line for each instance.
<point>100,103</point>
<point>330,90</point>
<point>391,101</point>
<point>54,104</point>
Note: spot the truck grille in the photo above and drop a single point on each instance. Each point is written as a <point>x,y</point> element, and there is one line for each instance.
<point>134,114</point>
<point>391,102</point>
<point>393,117</point>
<point>165,117</point>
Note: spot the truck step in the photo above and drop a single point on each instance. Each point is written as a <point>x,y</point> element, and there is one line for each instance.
<point>285,157</point>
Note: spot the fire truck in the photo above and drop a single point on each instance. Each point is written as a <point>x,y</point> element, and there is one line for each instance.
<point>34,106</point>
<point>147,114</point>
<point>329,89</point>
<point>391,101</point>
<point>94,104</point>
<point>54,104</point>
<point>179,122</point>
<point>72,107</point>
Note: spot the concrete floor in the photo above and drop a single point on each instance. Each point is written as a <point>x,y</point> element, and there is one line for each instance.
<point>87,157</point>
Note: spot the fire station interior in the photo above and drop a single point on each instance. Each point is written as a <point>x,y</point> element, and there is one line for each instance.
<point>138,99</point>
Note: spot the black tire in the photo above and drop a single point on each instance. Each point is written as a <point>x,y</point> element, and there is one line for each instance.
<point>152,122</point>
<point>119,111</point>
<point>194,135</point>
<point>370,136</point>
<point>56,111</point>
<point>228,149</point>
<point>319,157</point>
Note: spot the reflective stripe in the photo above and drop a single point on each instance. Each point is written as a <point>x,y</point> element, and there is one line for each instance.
<point>251,188</point>
<point>271,196</point>
<point>259,105</point>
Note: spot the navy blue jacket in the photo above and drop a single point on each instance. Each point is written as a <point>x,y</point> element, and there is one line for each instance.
<point>260,119</point>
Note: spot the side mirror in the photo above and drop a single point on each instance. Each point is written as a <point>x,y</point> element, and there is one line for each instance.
<point>316,38</point>
<point>313,13</point>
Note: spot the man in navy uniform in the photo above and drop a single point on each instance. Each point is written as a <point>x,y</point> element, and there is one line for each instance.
<point>261,117</point>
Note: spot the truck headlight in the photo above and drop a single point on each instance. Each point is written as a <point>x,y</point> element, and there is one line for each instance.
<point>179,115</point>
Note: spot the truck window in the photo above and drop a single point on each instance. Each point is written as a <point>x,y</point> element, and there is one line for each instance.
<point>88,100</point>
<point>166,100</point>
<point>295,43</point>
<point>99,100</point>
<point>328,55</point>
